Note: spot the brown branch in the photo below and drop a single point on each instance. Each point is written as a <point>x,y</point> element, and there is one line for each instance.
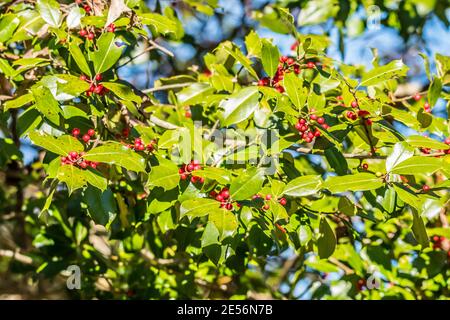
<point>346,155</point>
<point>16,256</point>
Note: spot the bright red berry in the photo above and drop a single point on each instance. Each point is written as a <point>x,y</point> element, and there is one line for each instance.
<point>225,194</point>
<point>266,206</point>
<point>290,61</point>
<point>75,132</point>
<point>83,164</point>
<point>425,188</point>
<point>87,8</point>
<point>188,114</point>
<point>268,197</point>
<point>73,155</point>
<point>83,77</point>
<point>313,117</point>
<point>83,33</point>
<point>93,165</point>
<point>91,36</point>
<point>91,132</point>
<point>229,206</point>
<point>140,147</point>
<point>283,201</point>
<point>98,77</point>
<point>447,140</point>
<point>321,120</point>
<point>219,197</point>
<point>86,138</point>
<point>283,59</point>
<point>111,28</point>
<point>310,65</point>
<point>417,97</point>
<point>365,166</point>
<point>98,89</point>
<point>354,104</point>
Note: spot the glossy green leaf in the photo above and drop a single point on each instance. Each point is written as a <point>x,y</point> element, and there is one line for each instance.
<point>60,145</point>
<point>198,207</point>
<point>164,175</point>
<point>353,182</point>
<point>326,241</point>
<point>377,75</point>
<point>269,57</point>
<point>247,184</point>
<point>417,164</point>
<point>50,12</point>
<point>303,186</point>
<point>108,52</point>
<point>240,105</point>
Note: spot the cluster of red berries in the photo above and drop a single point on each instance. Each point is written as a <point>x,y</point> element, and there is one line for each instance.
<point>223,196</point>
<point>186,169</point>
<point>362,114</point>
<point>307,132</point>
<point>437,242</point>
<point>287,64</point>
<point>76,159</point>
<point>139,145</point>
<point>268,197</point>
<point>86,6</point>
<point>86,137</point>
<point>95,87</point>
<point>90,35</point>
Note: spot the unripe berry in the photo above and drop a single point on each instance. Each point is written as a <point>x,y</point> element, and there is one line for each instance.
<point>75,132</point>
<point>86,138</point>
<point>91,132</point>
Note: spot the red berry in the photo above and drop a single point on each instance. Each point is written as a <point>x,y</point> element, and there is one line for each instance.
<point>219,197</point>
<point>194,179</point>
<point>188,114</point>
<point>417,97</point>
<point>283,201</point>
<point>63,159</point>
<point>86,138</point>
<point>201,180</point>
<point>91,132</point>
<point>280,89</point>
<point>283,59</point>
<point>317,133</point>
<point>310,65</point>
<point>308,140</point>
<point>78,1</point>
<point>73,155</point>
<point>354,104</point>
<point>321,120</point>
<point>83,77</point>
<point>190,167</point>
<point>447,140</point>
<point>98,77</point>
<point>369,122</point>
<point>266,206</point>
<point>87,8</point>
<point>75,132</point>
<point>229,206</point>
<point>313,117</point>
<point>125,132</point>
<point>436,239</point>
<point>98,89</point>
<point>294,46</point>
<point>425,188</point>
<point>93,165</point>
<point>83,33</point>
<point>91,36</point>
<point>213,194</point>
<point>340,98</point>
<point>83,164</point>
<point>183,176</point>
<point>261,83</point>
<point>290,61</point>
<point>365,166</point>
<point>140,147</point>
<point>111,28</point>
<point>297,69</point>
<point>298,126</point>
<point>268,197</point>
<point>225,194</point>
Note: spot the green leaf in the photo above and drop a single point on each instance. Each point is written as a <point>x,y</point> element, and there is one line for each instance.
<point>94,178</point>
<point>20,101</point>
<point>316,11</point>
<point>247,184</point>
<point>122,91</point>
<point>294,89</point>
<point>303,186</point>
<point>434,91</point>
<point>50,12</point>
<point>79,58</point>
<point>225,222</point>
<point>194,94</point>
<point>118,154</point>
<point>417,164</point>
<point>304,234</point>
<point>408,196</point>
<point>46,104</point>
<point>400,153</point>
<point>74,16</point>
<point>336,160</point>
<point>353,182</point>
<point>419,230</point>
<point>326,242</point>
<point>393,69</point>
<point>346,206</point>
<point>220,175</point>
<point>269,57</point>
<point>107,54</point>
<point>160,23</point>
<point>426,142</point>
<point>60,145</point>
<point>164,175</point>
<point>253,44</point>
<point>8,23</point>
<point>240,105</point>
<point>198,207</point>
<point>102,206</point>
<point>236,53</point>
<point>70,85</point>
<point>279,212</point>
<point>72,176</point>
